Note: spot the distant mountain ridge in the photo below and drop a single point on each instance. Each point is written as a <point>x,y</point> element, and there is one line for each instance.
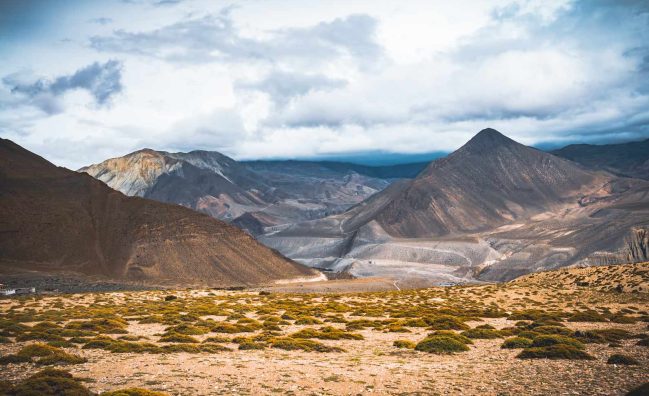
<point>53,220</point>
<point>267,192</point>
<point>626,159</point>
<point>492,210</point>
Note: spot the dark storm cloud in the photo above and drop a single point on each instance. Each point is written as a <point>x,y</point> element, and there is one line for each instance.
<point>101,80</point>
<point>214,37</point>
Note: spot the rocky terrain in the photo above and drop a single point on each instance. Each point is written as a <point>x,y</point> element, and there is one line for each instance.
<point>540,335</point>
<point>55,221</point>
<point>252,195</point>
<point>492,210</point>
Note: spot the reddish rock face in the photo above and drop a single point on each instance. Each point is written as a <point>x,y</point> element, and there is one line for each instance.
<point>56,220</point>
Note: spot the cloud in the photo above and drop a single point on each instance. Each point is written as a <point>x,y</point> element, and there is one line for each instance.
<point>215,38</point>
<point>101,21</point>
<point>283,86</point>
<point>101,80</point>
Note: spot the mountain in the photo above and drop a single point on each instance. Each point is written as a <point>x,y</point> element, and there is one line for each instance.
<point>489,181</point>
<point>206,181</point>
<point>252,195</point>
<point>625,159</point>
<point>54,220</point>
<point>492,210</point>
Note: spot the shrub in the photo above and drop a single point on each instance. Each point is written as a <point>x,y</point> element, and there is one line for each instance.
<point>446,322</point>
<point>618,358</point>
<point>326,333</point>
<point>441,345</point>
<point>553,330</point>
<point>516,343</point>
<point>481,333</point>
<point>407,344</point>
<point>558,351</point>
<point>251,345</point>
<point>42,354</point>
<point>643,342</point>
<point>586,316</point>
<point>307,320</point>
<point>170,297</point>
<point>188,329</point>
<point>104,326</point>
<point>49,382</point>
<point>292,344</point>
<point>554,339</point>
<point>623,319</point>
<point>217,339</point>
<point>602,336</point>
<point>180,338</point>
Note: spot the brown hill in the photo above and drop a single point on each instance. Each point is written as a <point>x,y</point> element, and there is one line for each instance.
<point>489,181</point>
<point>56,220</point>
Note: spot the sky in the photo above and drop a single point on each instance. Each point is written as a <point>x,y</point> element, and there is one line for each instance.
<point>83,81</point>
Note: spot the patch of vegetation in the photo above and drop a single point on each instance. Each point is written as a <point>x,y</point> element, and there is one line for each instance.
<point>293,344</point>
<point>558,351</point>
<point>42,354</point>
<point>602,336</point>
<point>446,322</point>
<point>478,333</point>
<point>179,338</point>
<point>326,333</point>
<point>48,382</point>
<point>555,339</point>
<point>102,326</point>
<point>516,343</point>
<point>619,358</point>
<point>441,344</point>
<point>406,344</point>
<point>586,316</point>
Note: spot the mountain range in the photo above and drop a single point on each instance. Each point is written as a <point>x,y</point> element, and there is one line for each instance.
<point>492,210</point>
<point>53,220</point>
<point>252,195</point>
<point>624,159</point>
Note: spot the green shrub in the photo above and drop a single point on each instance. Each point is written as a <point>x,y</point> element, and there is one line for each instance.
<point>441,345</point>
<point>558,351</point>
<point>49,382</point>
<point>622,359</point>
<point>555,339</point>
<point>250,345</point>
<point>326,333</point>
<point>307,320</point>
<point>42,354</point>
<point>446,322</point>
<point>104,326</point>
<point>293,344</point>
<point>180,338</point>
<point>586,316</point>
<point>406,344</point>
<point>477,333</point>
<point>602,336</point>
<point>516,343</point>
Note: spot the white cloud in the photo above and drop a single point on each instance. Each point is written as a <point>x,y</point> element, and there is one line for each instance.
<point>327,78</point>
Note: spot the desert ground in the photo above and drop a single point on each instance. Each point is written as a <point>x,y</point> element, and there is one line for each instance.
<point>569,332</point>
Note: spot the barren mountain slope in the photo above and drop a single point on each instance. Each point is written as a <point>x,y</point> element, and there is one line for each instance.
<point>56,220</point>
<point>493,210</point>
<point>626,159</point>
<point>489,181</point>
<point>253,194</point>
